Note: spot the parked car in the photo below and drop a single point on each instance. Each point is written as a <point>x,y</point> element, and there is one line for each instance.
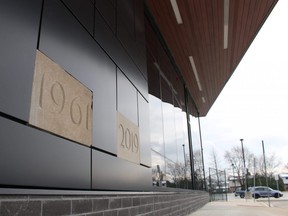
<point>239,192</point>
<point>262,191</point>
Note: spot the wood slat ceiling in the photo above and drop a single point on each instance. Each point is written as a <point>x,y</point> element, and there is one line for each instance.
<point>201,36</point>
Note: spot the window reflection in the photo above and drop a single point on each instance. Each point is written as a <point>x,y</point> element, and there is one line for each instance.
<point>171,166</point>
<point>169,132</point>
<point>172,137</point>
<point>158,169</point>
<point>169,143</point>
<point>197,154</point>
<point>156,125</point>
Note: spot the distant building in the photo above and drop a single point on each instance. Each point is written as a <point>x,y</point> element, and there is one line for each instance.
<point>285,180</point>
<point>233,183</point>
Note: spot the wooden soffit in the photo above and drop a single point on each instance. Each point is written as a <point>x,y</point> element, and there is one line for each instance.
<point>200,36</point>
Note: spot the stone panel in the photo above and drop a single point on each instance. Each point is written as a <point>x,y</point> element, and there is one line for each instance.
<point>128,142</point>
<point>60,103</point>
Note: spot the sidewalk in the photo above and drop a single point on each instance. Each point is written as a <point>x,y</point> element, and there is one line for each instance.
<point>239,207</point>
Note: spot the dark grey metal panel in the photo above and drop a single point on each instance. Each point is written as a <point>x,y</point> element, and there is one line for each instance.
<point>126,98</point>
<point>144,131</point>
<point>107,9</point>
<point>84,11</point>
<point>126,17</point>
<point>104,114</point>
<point>104,110</point>
<point>19,23</point>
<point>65,41</point>
<point>29,157</point>
<point>112,173</point>
<point>108,41</point>
<point>130,31</point>
<point>140,38</point>
<point>126,20</point>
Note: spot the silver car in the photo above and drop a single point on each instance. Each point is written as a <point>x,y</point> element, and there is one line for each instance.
<point>262,191</point>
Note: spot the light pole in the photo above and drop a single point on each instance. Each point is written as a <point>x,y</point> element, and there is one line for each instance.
<point>245,172</point>
<point>201,145</point>
<point>234,177</point>
<point>185,163</point>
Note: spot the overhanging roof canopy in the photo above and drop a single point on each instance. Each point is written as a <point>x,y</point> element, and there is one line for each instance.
<point>207,39</point>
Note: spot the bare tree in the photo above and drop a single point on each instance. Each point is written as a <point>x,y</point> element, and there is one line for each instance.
<point>215,164</point>
<point>188,167</point>
<point>235,156</point>
<point>176,171</point>
<point>198,167</point>
<point>214,159</point>
<point>271,164</point>
<point>198,160</point>
<point>286,166</point>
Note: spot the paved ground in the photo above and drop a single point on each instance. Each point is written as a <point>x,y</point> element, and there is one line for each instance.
<point>245,207</point>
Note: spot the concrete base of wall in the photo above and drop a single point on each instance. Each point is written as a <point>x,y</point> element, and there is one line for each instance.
<point>104,203</point>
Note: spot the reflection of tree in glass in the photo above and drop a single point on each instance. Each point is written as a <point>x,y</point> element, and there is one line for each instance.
<point>176,174</point>
<point>176,171</point>
<point>198,170</point>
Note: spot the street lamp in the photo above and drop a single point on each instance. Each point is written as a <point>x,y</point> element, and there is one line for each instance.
<point>185,164</point>
<point>245,172</point>
<point>234,177</point>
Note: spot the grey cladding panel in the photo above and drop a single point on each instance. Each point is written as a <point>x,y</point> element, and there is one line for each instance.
<point>104,129</point>
<point>29,157</point>
<point>112,173</point>
<point>126,98</point>
<point>19,23</point>
<point>126,17</point>
<point>84,11</point>
<point>130,31</point>
<point>65,41</point>
<point>115,50</point>
<point>107,9</point>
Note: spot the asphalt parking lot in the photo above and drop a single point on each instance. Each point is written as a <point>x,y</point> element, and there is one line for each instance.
<point>281,202</point>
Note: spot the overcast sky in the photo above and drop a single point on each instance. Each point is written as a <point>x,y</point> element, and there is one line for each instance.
<point>254,103</point>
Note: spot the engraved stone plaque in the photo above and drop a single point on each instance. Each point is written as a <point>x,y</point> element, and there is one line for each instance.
<point>128,144</point>
<point>60,104</point>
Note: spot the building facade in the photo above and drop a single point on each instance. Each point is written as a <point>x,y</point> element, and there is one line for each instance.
<point>94,101</point>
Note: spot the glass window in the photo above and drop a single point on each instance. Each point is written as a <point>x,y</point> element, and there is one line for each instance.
<point>158,169</point>
<point>156,124</point>
<point>170,144</point>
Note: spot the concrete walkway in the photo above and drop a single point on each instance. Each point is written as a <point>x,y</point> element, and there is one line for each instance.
<point>240,207</point>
